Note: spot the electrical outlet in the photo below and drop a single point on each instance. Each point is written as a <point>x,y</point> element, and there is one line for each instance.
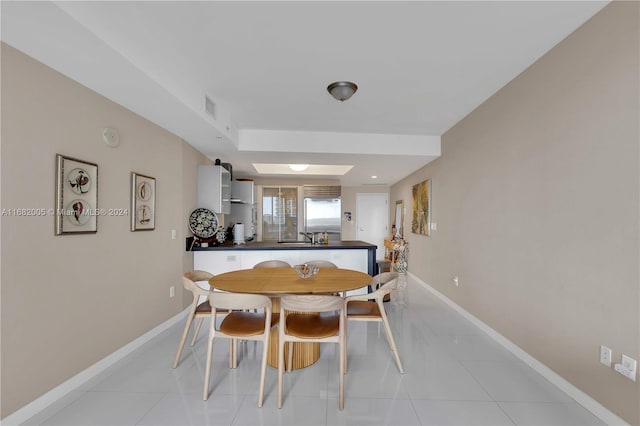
<point>455,280</point>
<point>627,367</point>
<point>605,355</point>
<point>172,292</point>
<point>174,234</point>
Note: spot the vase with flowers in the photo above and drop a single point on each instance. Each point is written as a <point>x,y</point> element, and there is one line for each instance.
<point>401,249</point>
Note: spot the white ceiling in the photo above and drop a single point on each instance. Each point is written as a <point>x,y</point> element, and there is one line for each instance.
<point>420,68</point>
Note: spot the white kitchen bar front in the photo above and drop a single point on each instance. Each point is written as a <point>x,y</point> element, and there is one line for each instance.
<point>355,255</point>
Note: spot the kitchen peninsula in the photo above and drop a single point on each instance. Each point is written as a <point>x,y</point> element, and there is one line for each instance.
<point>356,255</point>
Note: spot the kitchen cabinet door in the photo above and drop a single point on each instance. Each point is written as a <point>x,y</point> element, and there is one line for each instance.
<point>214,189</point>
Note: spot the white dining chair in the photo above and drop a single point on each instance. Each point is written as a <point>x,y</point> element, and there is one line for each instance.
<point>200,309</point>
<point>322,264</point>
<point>297,325</point>
<point>239,324</point>
<point>272,264</point>
<point>360,307</point>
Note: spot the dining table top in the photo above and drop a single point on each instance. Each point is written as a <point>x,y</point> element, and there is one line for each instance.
<point>287,281</point>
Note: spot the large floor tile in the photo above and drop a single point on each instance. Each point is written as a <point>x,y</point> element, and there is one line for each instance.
<point>370,377</point>
<point>473,347</point>
<point>372,411</point>
<point>461,413</point>
<point>310,381</point>
<point>514,381</point>
<point>223,380</point>
<point>105,408</point>
<point>52,409</point>
<point>549,414</point>
<point>190,409</point>
<point>442,378</point>
<point>133,379</point>
<point>296,411</point>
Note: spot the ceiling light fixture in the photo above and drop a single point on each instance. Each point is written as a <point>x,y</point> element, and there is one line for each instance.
<point>298,167</point>
<point>342,90</point>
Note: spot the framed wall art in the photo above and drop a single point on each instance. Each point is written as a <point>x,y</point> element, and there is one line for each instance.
<point>143,202</point>
<point>76,196</point>
<point>421,220</point>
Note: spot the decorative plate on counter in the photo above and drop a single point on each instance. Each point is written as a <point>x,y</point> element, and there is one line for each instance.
<point>203,223</point>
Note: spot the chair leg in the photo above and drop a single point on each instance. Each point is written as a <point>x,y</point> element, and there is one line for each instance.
<point>290,360</point>
<point>281,344</point>
<point>233,353</point>
<point>195,334</point>
<point>341,349</point>
<point>263,371</point>
<point>344,348</point>
<point>207,373</point>
<point>183,340</point>
<point>392,343</point>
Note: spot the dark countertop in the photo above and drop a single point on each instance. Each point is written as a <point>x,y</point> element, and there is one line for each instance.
<point>270,245</point>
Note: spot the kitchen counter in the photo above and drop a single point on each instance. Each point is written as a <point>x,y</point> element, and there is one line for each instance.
<point>270,245</point>
<point>357,255</point>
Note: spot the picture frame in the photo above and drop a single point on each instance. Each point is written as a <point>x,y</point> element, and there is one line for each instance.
<point>421,219</point>
<point>76,210</point>
<point>143,202</point>
<point>398,220</point>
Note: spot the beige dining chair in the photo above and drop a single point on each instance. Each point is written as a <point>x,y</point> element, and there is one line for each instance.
<point>322,264</point>
<point>361,308</point>
<point>272,264</point>
<point>300,326</point>
<point>199,310</point>
<point>240,325</point>
<point>327,264</point>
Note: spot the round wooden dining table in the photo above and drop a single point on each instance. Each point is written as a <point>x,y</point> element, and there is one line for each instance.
<point>278,281</point>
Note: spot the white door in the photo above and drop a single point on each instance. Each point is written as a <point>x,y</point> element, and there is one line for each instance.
<point>372,218</point>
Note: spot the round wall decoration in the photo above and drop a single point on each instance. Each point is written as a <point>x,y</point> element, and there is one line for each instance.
<point>79,181</point>
<point>203,223</point>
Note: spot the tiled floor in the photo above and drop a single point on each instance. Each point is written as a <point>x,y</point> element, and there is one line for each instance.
<point>454,375</point>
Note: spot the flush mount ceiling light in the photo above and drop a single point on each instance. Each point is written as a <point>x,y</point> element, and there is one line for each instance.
<point>312,169</point>
<point>342,90</point>
<point>298,167</point>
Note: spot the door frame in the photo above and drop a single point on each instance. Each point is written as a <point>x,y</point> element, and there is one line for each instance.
<point>380,250</point>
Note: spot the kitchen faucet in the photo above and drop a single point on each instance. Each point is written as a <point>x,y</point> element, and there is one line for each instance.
<point>311,236</point>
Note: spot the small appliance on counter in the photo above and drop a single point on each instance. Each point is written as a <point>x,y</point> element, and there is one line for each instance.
<point>238,233</point>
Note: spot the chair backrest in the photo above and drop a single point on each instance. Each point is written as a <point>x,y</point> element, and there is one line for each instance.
<point>322,264</point>
<point>272,264</point>
<point>231,301</point>
<point>383,284</point>
<point>189,282</point>
<point>378,280</point>
<point>312,303</point>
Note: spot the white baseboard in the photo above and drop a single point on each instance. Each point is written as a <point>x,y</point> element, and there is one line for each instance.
<point>34,407</point>
<point>579,396</point>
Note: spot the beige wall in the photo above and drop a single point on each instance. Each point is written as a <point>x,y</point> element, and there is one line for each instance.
<point>536,200</point>
<point>68,301</point>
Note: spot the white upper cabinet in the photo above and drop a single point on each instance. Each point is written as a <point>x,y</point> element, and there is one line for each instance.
<point>242,191</point>
<point>214,189</point>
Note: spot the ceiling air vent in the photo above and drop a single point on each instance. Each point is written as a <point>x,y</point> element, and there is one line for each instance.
<point>210,107</point>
